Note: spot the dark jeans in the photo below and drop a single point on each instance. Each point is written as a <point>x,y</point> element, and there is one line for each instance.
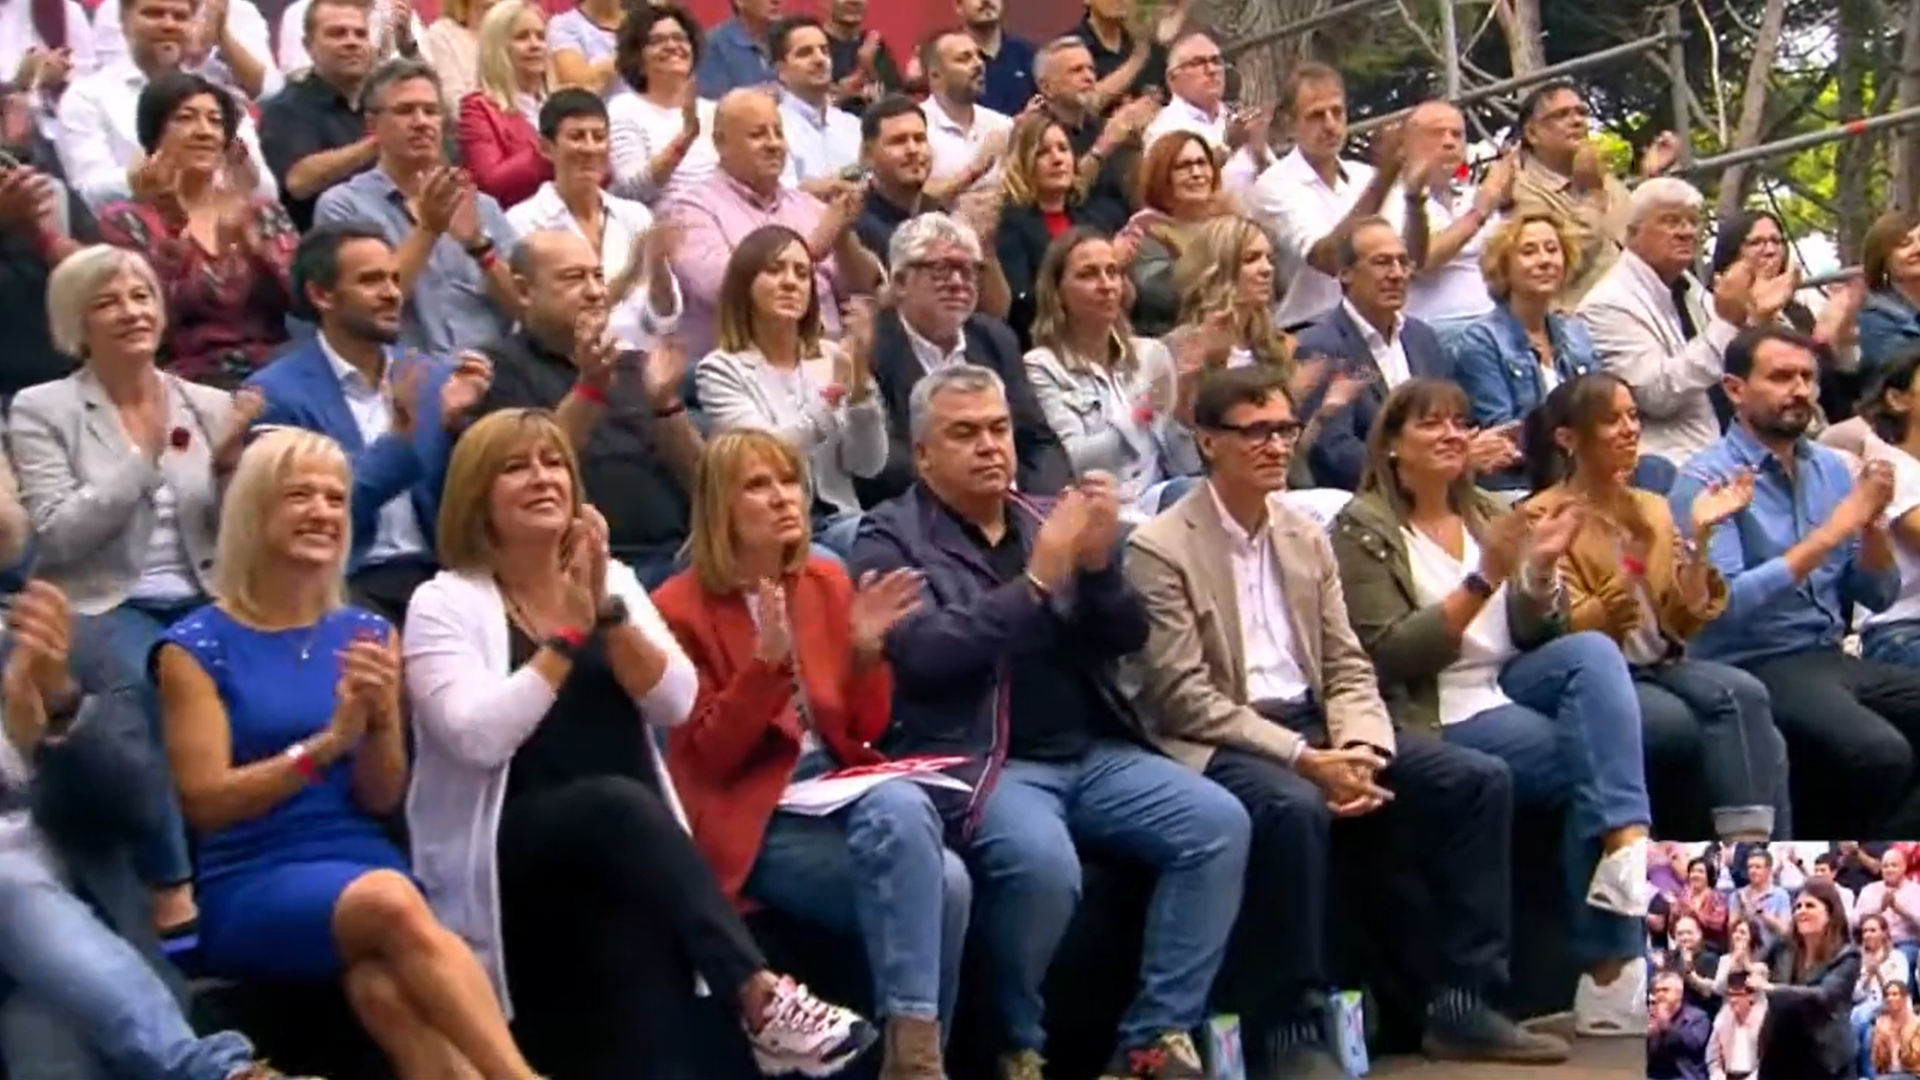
<point>386,588</point>
<point>608,914</point>
<point>1855,723</point>
<point>1441,849</point>
<point>1743,757</point>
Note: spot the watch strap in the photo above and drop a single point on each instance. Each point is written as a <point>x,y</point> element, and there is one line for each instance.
<point>1477,584</point>
<point>567,641</point>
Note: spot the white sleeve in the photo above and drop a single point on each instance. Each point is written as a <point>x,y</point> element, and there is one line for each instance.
<point>86,148</point>
<point>670,701</point>
<point>293,38</point>
<point>265,187</point>
<point>480,717</point>
<point>109,40</point>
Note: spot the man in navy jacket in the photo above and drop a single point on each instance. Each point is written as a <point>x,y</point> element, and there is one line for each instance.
<point>1010,662</point>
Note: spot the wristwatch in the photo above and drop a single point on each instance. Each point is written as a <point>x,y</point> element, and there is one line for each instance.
<point>566,641</point>
<point>482,249</point>
<point>612,613</point>
<point>1476,584</point>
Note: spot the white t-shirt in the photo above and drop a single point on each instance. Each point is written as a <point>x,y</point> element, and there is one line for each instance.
<point>1471,684</point>
<point>166,574</point>
<point>1455,290</point>
<point>1906,496</point>
<point>638,130</point>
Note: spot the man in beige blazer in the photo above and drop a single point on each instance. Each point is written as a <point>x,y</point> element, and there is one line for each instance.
<point>1254,677</point>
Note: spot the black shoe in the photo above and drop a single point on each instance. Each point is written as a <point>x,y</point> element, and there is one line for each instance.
<point>1481,1034</point>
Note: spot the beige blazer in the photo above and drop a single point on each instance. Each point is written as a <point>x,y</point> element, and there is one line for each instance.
<point>1192,676</point>
<point>89,493</point>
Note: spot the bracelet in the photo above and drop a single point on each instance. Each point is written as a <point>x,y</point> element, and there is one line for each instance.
<point>1039,587</point>
<point>589,392</point>
<point>567,641</point>
<point>300,756</point>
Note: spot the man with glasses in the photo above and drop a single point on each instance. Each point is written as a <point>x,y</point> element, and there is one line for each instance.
<point>1260,684</point>
<point>1676,1032</point>
<point>1197,79</point>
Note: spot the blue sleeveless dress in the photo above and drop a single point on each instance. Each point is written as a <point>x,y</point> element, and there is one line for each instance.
<point>267,887</point>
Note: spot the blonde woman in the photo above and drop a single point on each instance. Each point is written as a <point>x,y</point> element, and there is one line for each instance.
<point>1511,358</point>
<point>452,46</point>
<point>1225,278</point>
<point>1107,394</point>
<point>543,819</point>
<point>499,130</point>
<point>1040,200</point>
<point>284,728</point>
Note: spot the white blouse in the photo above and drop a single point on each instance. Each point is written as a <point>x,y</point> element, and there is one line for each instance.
<point>638,130</point>
<point>841,441</point>
<point>1471,684</point>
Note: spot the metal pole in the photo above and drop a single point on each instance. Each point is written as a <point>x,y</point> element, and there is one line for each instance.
<point>1831,277</point>
<point>1795,143</point>
<point>1527,81</point>
<point>1306,23</point>
<point>1677,71</point>
<point>1450,31</point>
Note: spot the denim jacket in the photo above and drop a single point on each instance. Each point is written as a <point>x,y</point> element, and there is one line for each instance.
<point>1494,362</point>
<point>1889,326</point>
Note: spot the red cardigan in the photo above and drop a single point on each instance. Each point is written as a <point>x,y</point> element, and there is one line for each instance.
<point>731,760</point>
<point>501,149</point>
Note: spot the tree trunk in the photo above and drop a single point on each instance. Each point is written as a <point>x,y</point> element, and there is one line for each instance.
<point>1753,103</point>
<point>1859,22</point>
<point>1259,69</point>
<point>1520,25</point>
<point>1906,144</point>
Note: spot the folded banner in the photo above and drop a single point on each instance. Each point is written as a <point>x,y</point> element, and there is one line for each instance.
<point>822,795</point>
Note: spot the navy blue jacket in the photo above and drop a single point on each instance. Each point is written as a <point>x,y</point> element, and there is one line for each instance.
<point>1339,454</point>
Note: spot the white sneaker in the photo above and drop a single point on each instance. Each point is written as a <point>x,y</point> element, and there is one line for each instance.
<point>806,1035</point>
<point>1616,1010</point>
<point>1620,882</point>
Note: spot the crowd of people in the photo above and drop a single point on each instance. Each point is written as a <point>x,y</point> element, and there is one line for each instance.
<point>727,468</point>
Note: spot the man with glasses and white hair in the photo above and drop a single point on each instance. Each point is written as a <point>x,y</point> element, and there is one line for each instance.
<point>934,323</point>
<point>1657,326</point>
<point>1197,80</point>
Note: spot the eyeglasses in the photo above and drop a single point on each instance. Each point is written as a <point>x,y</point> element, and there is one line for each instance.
<point>1204,63</point>
<point>948,269</point>
<point>671,37</point>
<point>1265,431</point>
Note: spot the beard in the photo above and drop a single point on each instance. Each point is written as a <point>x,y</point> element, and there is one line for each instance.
<point>1790,422</point>
<point>365,327</point>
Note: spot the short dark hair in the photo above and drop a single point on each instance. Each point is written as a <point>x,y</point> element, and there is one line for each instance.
<point>780,34</point>
<point>569,103</point>
<point>1309,73</point>
<point>1746,345</point>
<point>1825,858</point>
<point>885,109</point>
<point>390,73</point>
<point>1529,109</point>
<point>1224,390</point>
<point>164,96</point>
<point>631,39</point>
<point>317,260</point>
<point>1758,851</point>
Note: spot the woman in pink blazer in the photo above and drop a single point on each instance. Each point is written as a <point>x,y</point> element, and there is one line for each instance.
<point>499,123</point>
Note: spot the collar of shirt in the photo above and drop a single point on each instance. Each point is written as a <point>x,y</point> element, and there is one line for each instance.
<point>1370,333</point>
<point>546,210</point>
<point>1655,287</point>
<point>1244,543</point>
<point>1295,167</point>
<point>732,36</point>
<point>1213,123</point>
<point>351,378</point>
<point>1750,453</point>
<point>751,197</point>
<point>938,117</point>
<point>1552,179</point>
<point>816,118</point>
<point>1084,30</point>
<point>931,356</point>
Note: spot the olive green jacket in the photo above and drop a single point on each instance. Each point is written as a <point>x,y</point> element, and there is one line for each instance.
<point>1409,643</point>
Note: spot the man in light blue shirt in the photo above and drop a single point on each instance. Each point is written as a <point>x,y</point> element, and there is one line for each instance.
<point>737,53</point>
<point>1798,559</point>
<point>823,141</point>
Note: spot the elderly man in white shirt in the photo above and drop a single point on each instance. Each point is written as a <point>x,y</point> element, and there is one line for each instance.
<point>245,31</point>
<point>967,138</point>
<point>1445,220</point>
<point>1197,83</point>
<point>98,138</point>
<point>823,140</point>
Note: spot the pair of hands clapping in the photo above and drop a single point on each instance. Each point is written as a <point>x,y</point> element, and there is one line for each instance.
<point>880,602</point>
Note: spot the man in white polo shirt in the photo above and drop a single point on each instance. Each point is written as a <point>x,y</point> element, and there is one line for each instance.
<point>966,137</point>
<point>1445,220</point>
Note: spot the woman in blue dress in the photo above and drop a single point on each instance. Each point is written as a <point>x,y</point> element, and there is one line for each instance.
<point>284,728</point>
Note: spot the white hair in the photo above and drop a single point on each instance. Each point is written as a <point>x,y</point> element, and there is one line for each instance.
<point>957,378</point>
<point>915,239</point>
<point>1662,193</point>
<point>78,279</point>
<point>1043,63</point>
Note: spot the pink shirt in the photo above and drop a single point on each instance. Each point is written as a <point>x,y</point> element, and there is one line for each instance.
<point>1900,929</point>
<point>715,216</point>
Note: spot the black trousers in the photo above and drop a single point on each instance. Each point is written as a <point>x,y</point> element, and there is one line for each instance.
<point>1852,726</point>
<point>385,589</point>
<point>608,913</point>
<point>1424,883</point>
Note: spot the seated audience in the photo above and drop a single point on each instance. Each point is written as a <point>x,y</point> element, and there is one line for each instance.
<point>1111,397</point>
<point>823,140</point>
<point>1765,904</point>
<point>1888,409</point>
<point>1509,359</point>
<point>967,138</point>
<point>771,370</point>
<point>1368,337</point>
<point>452,45</point>
<point>1129,46</point>
<point>1809,991</point>
<point>1733,1049</point>
<point>220,251</point>
<point>933,323</point>
<point>662,130</point>
<point>638,446</point>
<point>393,416</point>
<point>863,64</point>
<point>642,296</point>
<point>792,686</point>
<point>736,58</point>
<point>313,134</point>
<point>1825,866</point>
<point>395,30</point>
<point>1743,952</point>
<point>1033,595</point>
<point>1562,175</point>
<point>1628,578</point>
<point>542,817</point>
<point>1896,899</point>
<point>1444,220</point>
<point>894,147</point>
<point>234,52</point>
<point>499,132</point>
<point>1758,239</point>
<point>1303,741</point>
<point>56,750</point>
<point>1179,188</point>
<point>41,223</point>
<point>120,469</point>
<point>1808,550</point>
<point>1889,324</point>
<point>1009,59</point>
<point>1196,102</point>
<point>1880,964</point>
<point>1106,147</point>
<point>583,41</point>
<point>458,291</point>
<point>1691,958</point>
<point>1677,1033</point>
<point>1894,1046</point>
<point>288,747</point>
<point>98,134</point>
<point>1464,613</point>
<point>1042,198</point>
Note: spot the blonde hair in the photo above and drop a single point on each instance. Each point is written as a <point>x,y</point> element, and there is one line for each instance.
<point>1050,319</point>
<point>79,278</point>
<point>465,525</point>
<point>716,484</point>
<point>1023,151</point>
<point>1207,276</point>
<point>495,38</point>
<point>1496,259</point>
<point>456,10</point>
<point>240,561</point>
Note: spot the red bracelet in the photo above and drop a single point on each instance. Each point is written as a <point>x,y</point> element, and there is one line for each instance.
<point>488,258</point>
<point>590,392</point>
<point>300,756</point>
<point>572,636</point>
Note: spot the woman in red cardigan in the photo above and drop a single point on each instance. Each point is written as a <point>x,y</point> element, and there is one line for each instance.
<point>499,128</point>
<point>792,686</point>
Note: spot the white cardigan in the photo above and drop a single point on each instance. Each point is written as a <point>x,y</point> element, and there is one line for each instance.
<point>471,712</point>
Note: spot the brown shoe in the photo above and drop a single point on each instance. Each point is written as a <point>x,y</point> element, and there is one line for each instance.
<point>912,1050</point>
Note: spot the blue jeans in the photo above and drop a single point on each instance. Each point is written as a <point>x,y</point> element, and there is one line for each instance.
<point>110,651</point>
<point>54,950</point>
<point>1572,736</point>
<point>881,869</point>
<point>1120,798</point>
<point>1892,643</point>
<point>1743,757</point>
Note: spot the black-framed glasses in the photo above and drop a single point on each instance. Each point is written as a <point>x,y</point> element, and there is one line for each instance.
<point>948,269</point>
<point>1262,432</point>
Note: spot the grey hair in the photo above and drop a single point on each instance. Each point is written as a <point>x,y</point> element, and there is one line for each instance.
<point>1345,254</point>
<point>918,236</point>
<point>955,378</point>
<point>1662,193</point>
<point>78,279</point>
<point>1043,62</point>
<point>393,72</point>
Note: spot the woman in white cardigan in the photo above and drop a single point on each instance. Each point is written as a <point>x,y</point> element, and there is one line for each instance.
<point>772,371</point>
<point>544,825</point>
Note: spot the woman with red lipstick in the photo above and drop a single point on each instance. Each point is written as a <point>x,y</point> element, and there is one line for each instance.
<point>1631,576</point>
